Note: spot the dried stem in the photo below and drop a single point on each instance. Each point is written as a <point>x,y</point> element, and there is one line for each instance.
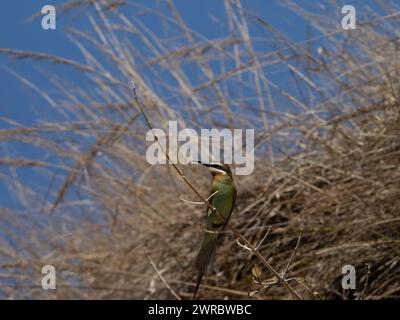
<point>161,276</point>
<point>206,202</point>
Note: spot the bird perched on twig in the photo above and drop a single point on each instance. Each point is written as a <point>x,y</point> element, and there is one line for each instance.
<point>222,198</point>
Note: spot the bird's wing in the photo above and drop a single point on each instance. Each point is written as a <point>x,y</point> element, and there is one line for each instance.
<point>211,197</point>
<point>233,202</point>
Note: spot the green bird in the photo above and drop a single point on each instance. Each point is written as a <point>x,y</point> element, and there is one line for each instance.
<point>222,198</point>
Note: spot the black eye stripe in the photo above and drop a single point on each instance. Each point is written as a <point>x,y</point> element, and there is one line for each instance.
<point>218,166</point>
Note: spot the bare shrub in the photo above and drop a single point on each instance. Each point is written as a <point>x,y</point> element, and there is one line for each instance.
<point>326,159</point>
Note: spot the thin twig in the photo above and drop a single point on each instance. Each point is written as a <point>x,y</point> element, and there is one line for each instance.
<point>197,202</point>
<point>161,277</point>
<point>366,282</point>
<point>191,202</point>
<point>263,239</point>
<point>206,202</point>
<point>292,256</point>
<point>302,282</point>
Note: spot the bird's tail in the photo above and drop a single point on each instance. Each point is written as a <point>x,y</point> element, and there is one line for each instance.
<point>205,257</point>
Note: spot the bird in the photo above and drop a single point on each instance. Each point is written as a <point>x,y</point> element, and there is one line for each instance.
<point>222,197</point>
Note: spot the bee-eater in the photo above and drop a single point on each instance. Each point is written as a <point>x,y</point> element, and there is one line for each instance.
<point>222,198</point>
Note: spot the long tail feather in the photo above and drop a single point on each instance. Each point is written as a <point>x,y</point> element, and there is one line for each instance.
<point>205,258</point>
<point>200,276</point>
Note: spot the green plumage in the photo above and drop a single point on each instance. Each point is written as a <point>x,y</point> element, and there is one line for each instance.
<point>223,200</point>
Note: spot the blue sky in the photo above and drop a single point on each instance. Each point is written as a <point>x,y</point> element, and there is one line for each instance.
<point>19,33</point>
<point>21,104</point>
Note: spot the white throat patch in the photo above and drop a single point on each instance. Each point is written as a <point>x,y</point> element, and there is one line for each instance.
<point>216,170</point>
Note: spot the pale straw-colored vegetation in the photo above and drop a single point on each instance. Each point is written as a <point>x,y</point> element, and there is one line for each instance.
<point>326,114</point>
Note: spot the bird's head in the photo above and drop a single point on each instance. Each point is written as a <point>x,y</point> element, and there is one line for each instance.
<point>218,170</point>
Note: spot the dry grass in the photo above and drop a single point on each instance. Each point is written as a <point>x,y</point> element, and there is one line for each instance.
<point>327,160</point>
